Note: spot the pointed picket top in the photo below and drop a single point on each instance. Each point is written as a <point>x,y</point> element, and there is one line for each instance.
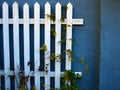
<point>5,11</point>
<point>36,10</point>
<point>26,5</point>
<point>58,10</point>
<point>69,5</point>
<point>69,13</point>
<point>5,4</point>
<point>36,4</point>
<point>15,10</point>
<point>26,11</point>
<point>36,7</point>
<point>15,4</point>
<point>47,4</point>
<point>47,10</point>
<point>58,4</point>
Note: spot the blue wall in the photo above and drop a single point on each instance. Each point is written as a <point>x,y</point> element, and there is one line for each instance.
<point>110,45</point>
<point>97,40</point>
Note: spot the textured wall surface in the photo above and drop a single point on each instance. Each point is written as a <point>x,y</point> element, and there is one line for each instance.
<point>110,45</point>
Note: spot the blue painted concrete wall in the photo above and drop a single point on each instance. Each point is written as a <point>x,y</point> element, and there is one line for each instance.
<point>97,40</point>
<point>110,45</point>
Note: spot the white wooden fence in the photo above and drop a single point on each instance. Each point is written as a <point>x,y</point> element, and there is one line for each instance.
<point>26,21</point>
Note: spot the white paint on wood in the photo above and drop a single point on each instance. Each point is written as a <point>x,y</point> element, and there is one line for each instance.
<point>57,45</point>
<point>42,73</point>
<point>26,42</point>
<point>42,21</point>
<point>69,34</point>
<point>47,43</point>
<point>37,44</point>
<point>6,45</point>
<point>16,43</point>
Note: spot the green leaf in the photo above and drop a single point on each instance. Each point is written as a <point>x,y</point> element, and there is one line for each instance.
<point>62,41</point>
<point>62,19</point>
<point>69,53</point>
<point>59,56</point>
<point>65,7</point>
<point>78,76</point>
<point>44,47</point>
<point>82,60</point>
<point>52,56</point>
<point>53,33</point>
<point>69,25</point>
<point>43,85</point>
<point>52,17</point>
<point>21,87</point>
<point>33,87</point>
<point>86,68</point>
<point>62,34</point>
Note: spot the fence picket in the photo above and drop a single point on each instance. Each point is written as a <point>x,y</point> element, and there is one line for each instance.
<point>37,44</point>
<point>57,45</point>
<point>69,35</point>
<point>6,45</point>
<point>16,44</point>
<point>26,42</point>
<point>47,43</point>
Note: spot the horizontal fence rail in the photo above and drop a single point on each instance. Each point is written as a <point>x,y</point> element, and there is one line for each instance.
<point>26,21</point>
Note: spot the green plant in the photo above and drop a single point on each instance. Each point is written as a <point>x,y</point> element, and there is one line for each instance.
<point>62,19</point>
<point>82,60</point>
<point>62,41</point>
<point>23,80</point>
<point>68,87</point>
<point>21,87</point>
<point>69,25</point>
<point>52,17</point>
<point>33,87</point>
<point>53,56</point>
<point>65,7</point>
<point>69,54</point>
<point>70,76</point>
<point>69,79</point>
<point>44,47</point>
<point>86,68</point>
<point>53,33</point>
